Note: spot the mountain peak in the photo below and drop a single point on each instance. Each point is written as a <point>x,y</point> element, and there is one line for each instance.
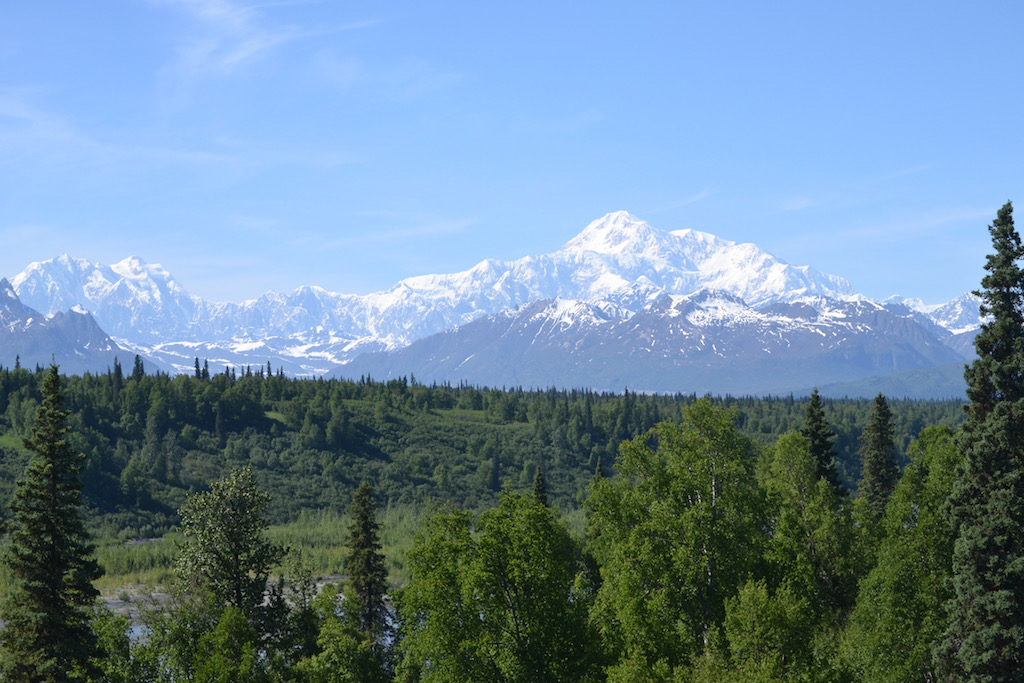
<point>619,232</point>
<point>135,268</point>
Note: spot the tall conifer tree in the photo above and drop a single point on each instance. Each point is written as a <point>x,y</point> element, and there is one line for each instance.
<point>367,575</point>
<point>540,491</point>
<point>820,436</point>
<point>879,473</point>
<point>47,634</point>
<point>985,637</point>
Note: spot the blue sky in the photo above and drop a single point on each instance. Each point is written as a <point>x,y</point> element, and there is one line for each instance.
<point>255,146</point>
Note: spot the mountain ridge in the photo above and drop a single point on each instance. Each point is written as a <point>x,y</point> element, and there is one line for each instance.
<point>70,338</point>
<point>616,263</point>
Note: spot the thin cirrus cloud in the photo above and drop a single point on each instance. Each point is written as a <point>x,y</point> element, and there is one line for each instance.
<point>795,204</point>
<point>407,80</point>
<point>682,202</point>
<point>233,35</point>
<point>33,132</point>
<point>924,224</point>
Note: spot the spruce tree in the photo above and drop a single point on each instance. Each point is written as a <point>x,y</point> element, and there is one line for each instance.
<point>139,370</point>
<point>47,634</point>
<point>367,576</point>
<point>879,473</point>
<point>820,436</point>
<point>540,491</point>
<point>985,636</point>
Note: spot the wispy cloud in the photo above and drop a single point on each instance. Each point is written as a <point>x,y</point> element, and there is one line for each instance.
<point>795,204</point>
<point>30,131</point>
<point>682,202</point>
<point>407,80</point>
<point>233,35</point>
<point>902,173</point>
<point>844,194</point>
<point>895,230</point>
<point>267,227</point>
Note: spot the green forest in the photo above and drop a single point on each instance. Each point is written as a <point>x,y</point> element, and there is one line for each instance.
<point>314,530</point>
<point>149,440</point>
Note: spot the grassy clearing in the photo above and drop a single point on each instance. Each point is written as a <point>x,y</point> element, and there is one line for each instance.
<point>12,441</point>
<point>318,537</point>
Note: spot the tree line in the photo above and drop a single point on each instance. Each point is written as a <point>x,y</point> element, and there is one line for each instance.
<point>151,439</point>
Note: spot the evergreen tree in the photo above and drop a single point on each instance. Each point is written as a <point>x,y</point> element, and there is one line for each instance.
<point>880,473</point>
<point>539,490</point>
<point>47,634</point>
<point>985,638</point>
<point>139,371</point>
<point>367,575</point>
<point>494,480</point>
<point>898,615</point>
<point>813,539</point>
<point>117,381</point>
<point>820,435</point>
<point>199,373</point>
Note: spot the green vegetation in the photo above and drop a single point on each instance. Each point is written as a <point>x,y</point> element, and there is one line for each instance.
<point>985,637</point>
<point>151,441</point>
<point>486,535</point>
<point>47,635</point>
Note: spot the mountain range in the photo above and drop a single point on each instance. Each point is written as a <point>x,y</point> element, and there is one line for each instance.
<point>621,304</point>
<point>29,338</point>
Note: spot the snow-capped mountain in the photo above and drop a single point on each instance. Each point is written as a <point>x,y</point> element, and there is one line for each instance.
<point>958,315</point>
<point>616,269</point>
<point>709,341</point>
<point>617,258</point>
<point>71,338</point>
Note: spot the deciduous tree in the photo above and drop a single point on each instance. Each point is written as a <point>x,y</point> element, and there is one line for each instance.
<point>224,548</point>
<point>498,604</point>
<point>681,526</point>
<point>899,612</point>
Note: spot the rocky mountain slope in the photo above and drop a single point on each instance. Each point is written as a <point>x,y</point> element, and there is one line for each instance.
<point>709,341</point>
<point>71,338</point>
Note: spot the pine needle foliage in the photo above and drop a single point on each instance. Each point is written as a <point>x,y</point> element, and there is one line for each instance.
<point>540,491</point>
<point>879,475</point>
<point>820,435</point>
<point>367,574</point>
<point>47,634</point>
<point>985,637</point>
